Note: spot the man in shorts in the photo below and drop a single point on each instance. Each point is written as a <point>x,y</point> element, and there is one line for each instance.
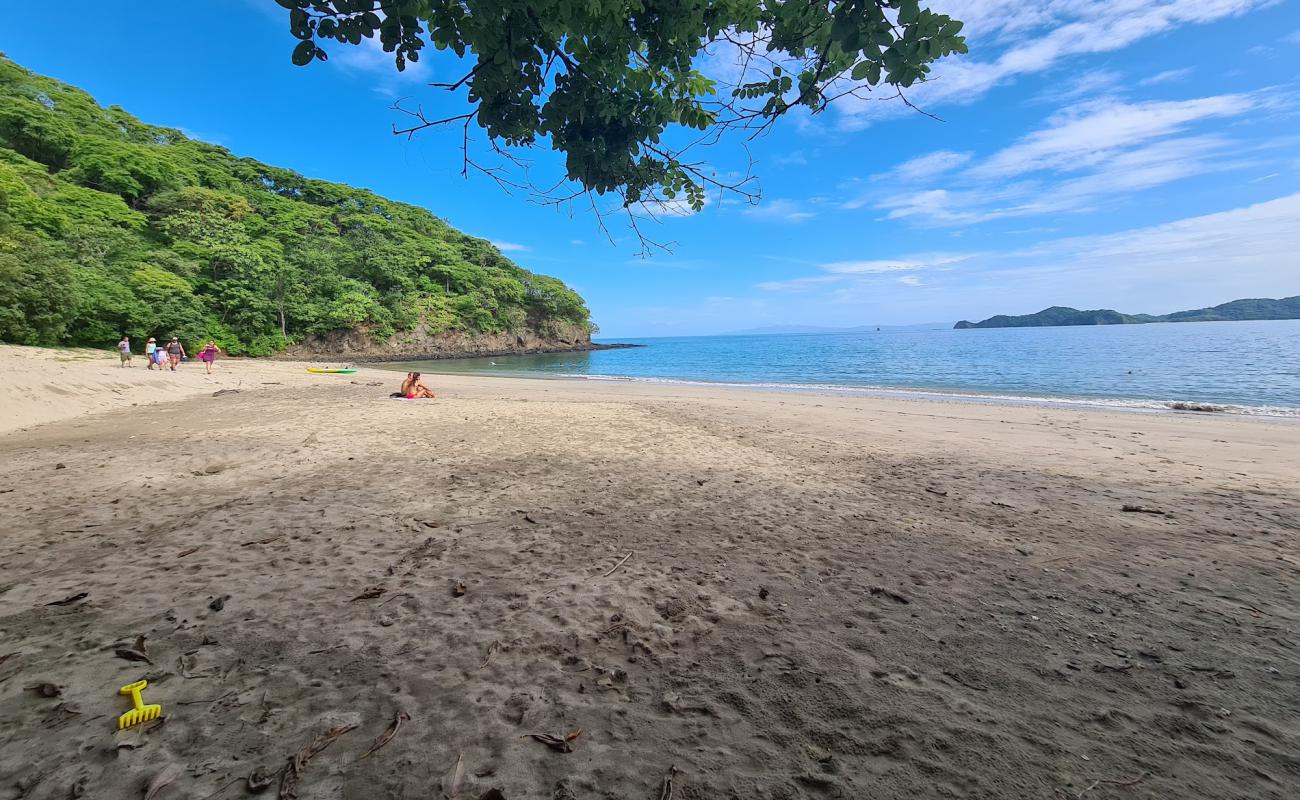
<point>124,350</point>
<point>175,352</point>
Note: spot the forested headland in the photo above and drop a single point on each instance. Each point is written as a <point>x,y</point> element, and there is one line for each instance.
<point>1233,311</point>
<point>110,226</point>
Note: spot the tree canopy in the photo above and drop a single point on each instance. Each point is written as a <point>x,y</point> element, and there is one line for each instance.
<point>626,89</point>
<point>111,226</point>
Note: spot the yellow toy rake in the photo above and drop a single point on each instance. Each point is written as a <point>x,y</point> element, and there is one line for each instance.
<point>141,712</point>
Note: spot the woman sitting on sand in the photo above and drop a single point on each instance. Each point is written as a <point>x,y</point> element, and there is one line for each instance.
<point>413,388</point>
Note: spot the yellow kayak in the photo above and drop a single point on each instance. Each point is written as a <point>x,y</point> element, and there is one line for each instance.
<point>333,371</point>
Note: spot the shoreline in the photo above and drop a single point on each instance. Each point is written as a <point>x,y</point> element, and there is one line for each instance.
<point>1122,404</point>
<point>45,385</point>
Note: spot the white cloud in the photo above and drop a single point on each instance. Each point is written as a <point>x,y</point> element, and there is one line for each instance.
<point>797,284</point>
<point>905,264</point>
<point>841,272</point>
<point>1091,154</point>
<point>796,158</point>
<point>1168,76</point>
<point>210,138</point>
<point>1085,84</point>
<point>1189,263</point>
<point>368,62</point>
<point>1092,133</point>
<point>1263,238</point>
<point>1193,262</point>
<point>779,211</point>
<point>1035,37</point>
<point>1292,38</point>
<point>369,56</point>
<point>931,165</point>
<point>576,242</point>
<point>510,247</point>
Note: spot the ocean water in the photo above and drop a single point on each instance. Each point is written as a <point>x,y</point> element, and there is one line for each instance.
<point>1239,367</point>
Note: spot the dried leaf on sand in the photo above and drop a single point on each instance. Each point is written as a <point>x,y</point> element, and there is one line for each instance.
<point>163,779</point>
<point>369,594</point>
<point>132,655</point>
<point>1130,509</point>
<point>294,769</point>
<point>666,788</point>
<point>560,744</point>
<point>491,651</point>
<point>67,601</point>
<point>892,595</point>
<point>387,736</point>
<point>259,781</point>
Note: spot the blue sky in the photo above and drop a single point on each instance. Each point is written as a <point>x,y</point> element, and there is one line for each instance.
<point>1134,154</point>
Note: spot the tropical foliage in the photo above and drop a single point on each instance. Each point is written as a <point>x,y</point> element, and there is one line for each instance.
<point>625,89</point>
<point>111,226</point>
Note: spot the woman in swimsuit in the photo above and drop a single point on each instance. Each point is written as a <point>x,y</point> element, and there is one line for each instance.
<point>415,388</point>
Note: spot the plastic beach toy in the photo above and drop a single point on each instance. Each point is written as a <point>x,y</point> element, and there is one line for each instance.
<point>141,712</point>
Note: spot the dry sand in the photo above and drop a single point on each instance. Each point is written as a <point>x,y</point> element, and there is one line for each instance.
<point>778,595</point>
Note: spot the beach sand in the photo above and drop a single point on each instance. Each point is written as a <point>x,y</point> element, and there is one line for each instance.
<point>762,595</point>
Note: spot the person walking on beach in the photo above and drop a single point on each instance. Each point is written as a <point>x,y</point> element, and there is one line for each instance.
<point>209,354</point>
<point>150,347</point>
<point>124,350</point>
<point>175,352</point>
<point>159,357</point>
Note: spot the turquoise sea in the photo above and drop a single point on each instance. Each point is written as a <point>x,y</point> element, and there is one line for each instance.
<point>1240,367</point>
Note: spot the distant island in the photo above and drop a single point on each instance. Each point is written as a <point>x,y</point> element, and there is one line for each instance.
<point>1285,308</point>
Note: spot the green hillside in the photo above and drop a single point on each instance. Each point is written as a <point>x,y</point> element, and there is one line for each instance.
<point>1285,308</point>
<point>111,226</point>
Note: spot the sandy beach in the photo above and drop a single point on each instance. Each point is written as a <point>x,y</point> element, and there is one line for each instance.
<point>698,592</point>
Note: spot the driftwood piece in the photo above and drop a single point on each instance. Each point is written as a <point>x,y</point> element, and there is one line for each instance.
<point>387,736</point>
<point>298,764</point>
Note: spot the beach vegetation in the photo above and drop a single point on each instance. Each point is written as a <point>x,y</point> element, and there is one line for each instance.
<point>109,226</point>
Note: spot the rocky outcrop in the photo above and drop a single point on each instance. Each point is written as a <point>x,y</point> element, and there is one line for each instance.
<point>419,344</point>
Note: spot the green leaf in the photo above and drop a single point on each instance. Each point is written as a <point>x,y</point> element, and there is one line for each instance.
<point>909,11</point>
<point>302,54</point>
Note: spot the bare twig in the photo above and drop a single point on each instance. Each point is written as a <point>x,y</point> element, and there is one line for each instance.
<point>616,566</point>
<point>207,700</point>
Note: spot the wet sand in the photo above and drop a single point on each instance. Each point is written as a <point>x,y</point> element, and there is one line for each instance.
<point>776,595</point>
